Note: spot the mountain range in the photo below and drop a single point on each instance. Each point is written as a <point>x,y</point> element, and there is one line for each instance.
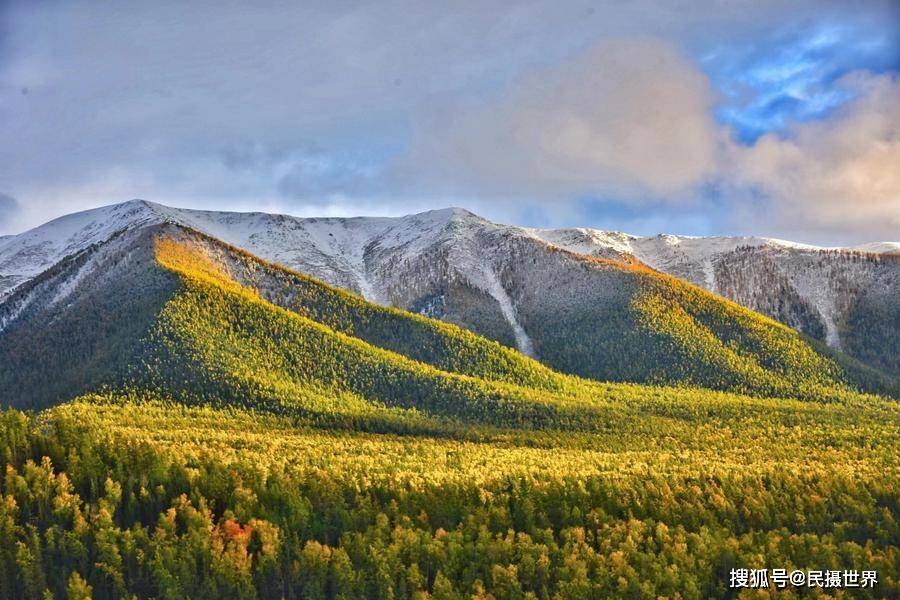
<point>507,282</point>
<point>204,405</point>
<point>93,297</point>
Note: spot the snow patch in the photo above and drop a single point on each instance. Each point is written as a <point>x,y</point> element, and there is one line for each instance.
<point>68,286</point>
<point>498,293</point>
<point>709,274</point>
<point>17,309</point>
<point>879,248</point>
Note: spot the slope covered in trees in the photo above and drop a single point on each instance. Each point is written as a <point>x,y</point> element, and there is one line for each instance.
<point>148,305</point>
<point>502,281</point>
<point>81,324</point>
<point>626,322</point>
<point>129,495</point>
<point>245,431</point>
<point>165,308</point>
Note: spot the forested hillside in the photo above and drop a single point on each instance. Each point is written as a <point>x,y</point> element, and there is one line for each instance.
<point>216,426</point>
<point>134,496</point>
<point>507,283</point>
<point>626,322</point>
<point>167,308</point>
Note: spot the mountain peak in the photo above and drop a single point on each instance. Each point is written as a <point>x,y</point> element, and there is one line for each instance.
<point>448,214</point>
<point>136,202</point>
<point>141,204</point>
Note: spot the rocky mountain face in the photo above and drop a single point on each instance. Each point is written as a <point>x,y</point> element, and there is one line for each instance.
<point>508,282</point>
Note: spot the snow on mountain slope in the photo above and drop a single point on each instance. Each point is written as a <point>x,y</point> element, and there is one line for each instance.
<point>688,257</point>
<point>370,256</point>
<point>456,265</point>
<point>816,275</point>
<point>25,255</point>
<point>879,247</point>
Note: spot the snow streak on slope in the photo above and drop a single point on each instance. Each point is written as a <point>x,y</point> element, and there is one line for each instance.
<point>15,310</point>
<point>671,253</point>
<point>496,290</point>
<point>780,278</point>
<point>691,258</point>
<point>365,255</point>
<point>342,250</point>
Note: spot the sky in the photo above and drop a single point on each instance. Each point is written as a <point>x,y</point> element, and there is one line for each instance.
<point>699,117</point>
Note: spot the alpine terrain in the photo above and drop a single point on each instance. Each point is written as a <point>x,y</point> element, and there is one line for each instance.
<point>209,405</point>
<point>503,281</point>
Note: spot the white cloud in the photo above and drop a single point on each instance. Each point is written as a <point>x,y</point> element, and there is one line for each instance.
<point>629,117</point>
<point>299,107</point>
<point>9,212</point>
<point>837,174</point>
<point>633,120</point>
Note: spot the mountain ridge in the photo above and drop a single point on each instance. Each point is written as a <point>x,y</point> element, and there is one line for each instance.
<point>177,310</point>
<point>455,265</point>
<point>82,227</point>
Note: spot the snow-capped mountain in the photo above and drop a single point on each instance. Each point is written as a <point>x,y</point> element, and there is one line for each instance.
<point>335,249</point>
<point>455,265</point>
<point>396,261</point>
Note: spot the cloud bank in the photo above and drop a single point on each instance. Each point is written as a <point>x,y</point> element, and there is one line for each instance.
<point>701,115</point>
<point>629,117</point>
<point>839,173</point>
<point>633,120</point>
